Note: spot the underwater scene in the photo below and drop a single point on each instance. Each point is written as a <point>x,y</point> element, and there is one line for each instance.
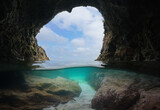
<point>77,88</point>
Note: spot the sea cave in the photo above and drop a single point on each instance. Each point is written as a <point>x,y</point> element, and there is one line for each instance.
<point>126,77</point>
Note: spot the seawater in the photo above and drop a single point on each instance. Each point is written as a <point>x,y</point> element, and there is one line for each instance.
<point>79,74</point>
<point>83,102</point>
<point>73,73</point>
<point>82,75</point>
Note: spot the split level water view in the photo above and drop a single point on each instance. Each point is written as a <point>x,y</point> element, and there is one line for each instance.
<point>71,79</point>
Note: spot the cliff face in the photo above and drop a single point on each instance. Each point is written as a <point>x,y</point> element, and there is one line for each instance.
<point>17,33</point>
<point>131,28</point>
<point>131,31</point>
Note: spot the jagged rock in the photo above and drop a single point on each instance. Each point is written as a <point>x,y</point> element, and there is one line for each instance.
<point>41,93</point>
<point>127,91</point>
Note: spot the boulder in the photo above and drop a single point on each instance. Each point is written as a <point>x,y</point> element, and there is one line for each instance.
<point>41,93</point>
<point>127,91</point>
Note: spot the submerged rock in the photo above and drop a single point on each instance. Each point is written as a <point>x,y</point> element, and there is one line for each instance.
<point>127,91</point>
<point>83,102</point>
<point>59,86</point>
<point>42,92</point>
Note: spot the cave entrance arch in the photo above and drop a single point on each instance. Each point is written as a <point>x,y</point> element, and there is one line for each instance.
<point>74,37</point>
<point>125,23</point>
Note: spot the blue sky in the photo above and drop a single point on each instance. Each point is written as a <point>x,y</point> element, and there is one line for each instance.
<point>73,37</point>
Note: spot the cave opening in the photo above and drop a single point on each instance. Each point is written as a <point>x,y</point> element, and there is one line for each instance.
<point>73,38</point>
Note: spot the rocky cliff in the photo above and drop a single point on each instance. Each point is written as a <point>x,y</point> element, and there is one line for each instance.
<point>17,33</point>
<point>131,28</point>
<point>131,31</point>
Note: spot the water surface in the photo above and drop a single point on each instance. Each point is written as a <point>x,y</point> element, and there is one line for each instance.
<point>83,75</point>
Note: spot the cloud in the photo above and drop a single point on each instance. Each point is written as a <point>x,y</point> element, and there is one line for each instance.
<point>85,19</point>
<point>80,50</point>
<point>47,35</point>
<point>77,17</point>
<point>78,42</point>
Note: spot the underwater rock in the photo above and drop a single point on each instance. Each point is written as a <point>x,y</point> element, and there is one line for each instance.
<point>83,102</point>
<point>59,86</point>
<point>127,91</point>
<point>41,93</point>
<point>149,100</point>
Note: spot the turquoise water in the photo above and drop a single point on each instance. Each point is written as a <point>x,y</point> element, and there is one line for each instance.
<point>73,73</point>
<point>88,77</point>
<point>79,74</point>
<point>83,75</point>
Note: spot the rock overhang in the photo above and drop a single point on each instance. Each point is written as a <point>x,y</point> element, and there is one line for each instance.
<point>131,28</point>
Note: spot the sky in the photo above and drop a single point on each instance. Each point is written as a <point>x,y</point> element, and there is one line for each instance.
<point>73,37</point>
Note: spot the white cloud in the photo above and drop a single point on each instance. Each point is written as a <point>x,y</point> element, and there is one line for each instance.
<point>78,16</point>
<point>87,20</point>
<point>78,42</point>
<point>47,35</point>
<point>80,50</point>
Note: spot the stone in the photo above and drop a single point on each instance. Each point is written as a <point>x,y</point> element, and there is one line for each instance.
<point>59,86</point>
<point>149,100</point>
<point>41,93</point>
<point>127,91</point>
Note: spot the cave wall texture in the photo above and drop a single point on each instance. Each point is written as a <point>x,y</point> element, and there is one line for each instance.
<point>131,28</point>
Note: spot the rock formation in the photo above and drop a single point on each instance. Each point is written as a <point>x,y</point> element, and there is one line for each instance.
<point>130,31</point>
<point>126,91</point>
<point>131,28</point>
<point>41,93</point>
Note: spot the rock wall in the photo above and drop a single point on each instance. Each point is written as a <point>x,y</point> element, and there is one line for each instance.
<point>17,33</point>
<point>131,28</point>
<point>131,31</point>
